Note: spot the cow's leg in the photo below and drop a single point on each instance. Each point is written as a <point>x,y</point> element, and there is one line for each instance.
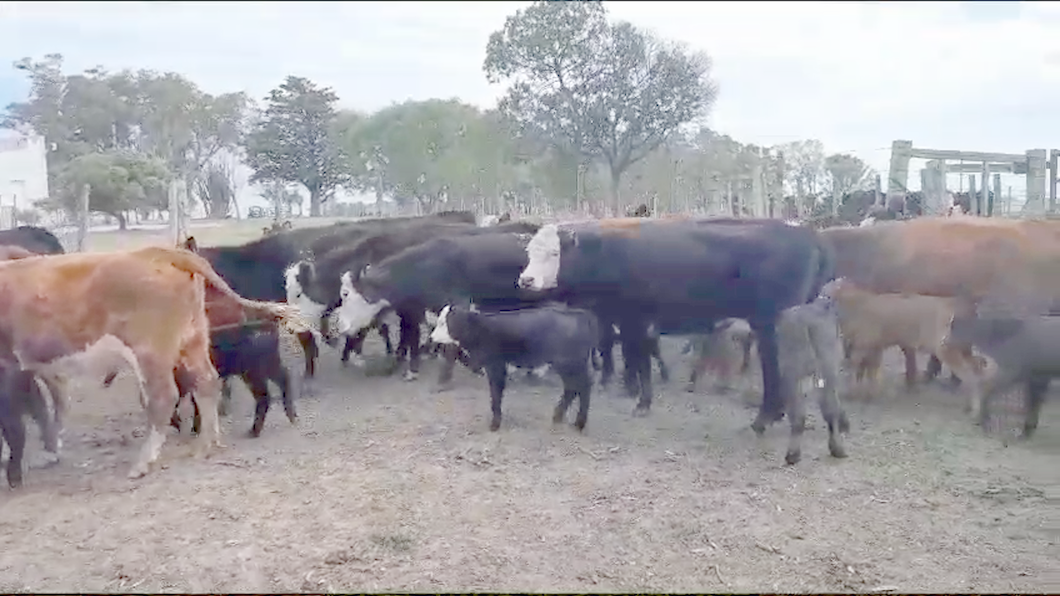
<point>772,408</point>
<point>354,345</point>
<point>582,383</point>
<point>13,429</point>
<point>656,352</point>
<point>259,388</point>
<point>934,367</point>
<point>207,392</point>
<point>796,410</point>
<point>910,366</point>
<point>965,368</point>
<point>56,386</point>
<point>1005,379</point>
<point>636,352</point>
<point>445,373</point>
<point>1037,387</point>
<point>311,350</point>
<point>160,391</point>
<point>38,409</point>
<point>413,320</point>
<point>282,377</point>
<point>384,332</point>
<point>607,359</point>
<point>497,372</point>
<point>226,397</point>
<point>700,360</point>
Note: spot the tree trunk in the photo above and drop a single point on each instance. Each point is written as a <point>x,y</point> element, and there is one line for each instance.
<point>122,223</point>
<point>315,201</point>
<point>616,180</point>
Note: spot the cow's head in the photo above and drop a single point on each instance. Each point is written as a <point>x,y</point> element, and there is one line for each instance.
<point>456,325</point>
<point>983,325</point>
<point>296,278</point>
<point>542,271</point>
<point>357,310</point>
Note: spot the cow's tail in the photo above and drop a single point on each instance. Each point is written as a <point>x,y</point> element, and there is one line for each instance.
<point>190,262</point>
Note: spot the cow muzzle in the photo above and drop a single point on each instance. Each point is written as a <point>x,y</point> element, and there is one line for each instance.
<point>525,282</point>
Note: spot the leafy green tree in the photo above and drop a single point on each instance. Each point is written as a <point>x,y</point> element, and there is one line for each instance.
<point>120,181</point>
<point>603,91</point>
<point>847,173</point>
<point>295,141</point>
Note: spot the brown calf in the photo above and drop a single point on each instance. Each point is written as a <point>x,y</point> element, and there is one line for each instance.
<point>871,323</point>
<point>80,311</point>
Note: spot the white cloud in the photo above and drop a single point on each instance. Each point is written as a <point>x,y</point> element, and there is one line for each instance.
<point>855,75</point>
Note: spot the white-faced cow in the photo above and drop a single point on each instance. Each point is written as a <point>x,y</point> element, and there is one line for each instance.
<point>683,275</point>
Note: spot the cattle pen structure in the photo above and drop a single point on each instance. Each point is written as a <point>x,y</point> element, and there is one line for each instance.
<point>1032,164</point>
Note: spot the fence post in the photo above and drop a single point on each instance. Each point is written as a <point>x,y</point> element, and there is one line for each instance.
<point>82,217</point>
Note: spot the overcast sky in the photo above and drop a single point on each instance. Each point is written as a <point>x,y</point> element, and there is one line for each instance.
<point>978,76</point>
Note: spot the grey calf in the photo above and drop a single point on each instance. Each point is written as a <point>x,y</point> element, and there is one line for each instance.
<point>809,346</point>
<point>1025,349</point>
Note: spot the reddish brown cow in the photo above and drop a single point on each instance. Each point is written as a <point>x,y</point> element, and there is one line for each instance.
<point>1001,261</point>
<point>146,306</point>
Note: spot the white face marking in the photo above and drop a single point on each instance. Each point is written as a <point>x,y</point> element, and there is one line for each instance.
<point>542,272</point>
<point>440,335</point>
<point>355,313</point>
<point>868,221</point>
<point>310,310</point>
<point>540,371</point>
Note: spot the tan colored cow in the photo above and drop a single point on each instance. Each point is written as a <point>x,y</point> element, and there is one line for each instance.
<point>870,323</point>
<point>84,312</point>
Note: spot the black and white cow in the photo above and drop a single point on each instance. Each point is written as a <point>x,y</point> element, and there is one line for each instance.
<point>479,265</point>
<point>683,275</point>
<point>319,281</point>
<point>257,269</point>
<point>557,335</point>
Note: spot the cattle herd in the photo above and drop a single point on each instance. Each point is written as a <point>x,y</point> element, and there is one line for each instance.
<point>974,293</point>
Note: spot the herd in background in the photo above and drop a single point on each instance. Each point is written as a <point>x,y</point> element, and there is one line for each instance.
<point>974,293</point>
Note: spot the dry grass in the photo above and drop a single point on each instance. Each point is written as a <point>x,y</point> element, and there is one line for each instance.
<point>228,232</point>
<point>387,486</point>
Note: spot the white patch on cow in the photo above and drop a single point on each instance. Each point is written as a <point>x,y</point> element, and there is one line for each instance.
<point>391,318</point>
<point>540,371</point>
<point>489,220</point>
<point>355,313</point>
<point>542,271</point>
<point>793,223</point>
<point>440,335</point>
<point>431,319</point>
<point>309,309</point>
<point>868,221</point>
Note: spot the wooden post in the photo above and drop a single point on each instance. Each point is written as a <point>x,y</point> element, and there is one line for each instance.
<point>756,202</point>
<point>898,177</point>
<point>878,200</point>
<point>176,213</point>
<point>984,190</point>
<point>1036,167</point>
<point>1054,157</point>
<point>997,194</point>
<point>974,202</point>
<point>82,217</point>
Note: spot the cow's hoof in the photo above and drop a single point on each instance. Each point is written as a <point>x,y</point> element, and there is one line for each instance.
<point>138,471</point>
<point>690,388</point>
<point>293,419</point>
<point>758,426</point>
<point>580,425</point>
<point>558,416</point>
<point>410,375</point>
<point>844,423</point>
<point>443,387</point>
<point>14,480</point>
<point>836,449</point>
<point>641,411</point>
<point>792,457</point>
<point>495,425</point>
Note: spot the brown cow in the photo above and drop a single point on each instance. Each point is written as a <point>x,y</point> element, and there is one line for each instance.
<point>725,352</point>
<point>1000,260</point>
<point>80,311</point>
<point>871,323</point>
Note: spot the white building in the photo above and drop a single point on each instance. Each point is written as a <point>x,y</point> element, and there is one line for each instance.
<point>23,170</point>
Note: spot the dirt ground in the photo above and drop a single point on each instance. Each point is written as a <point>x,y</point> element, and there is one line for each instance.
<point>385,485</point>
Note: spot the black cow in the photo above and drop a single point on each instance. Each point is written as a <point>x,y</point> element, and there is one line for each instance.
<point>33,239</point>
<point>1025,349</point>
<point>20,394</point>
<point>683,275</point>
<point>552,334</point>
<point>257,269</point>
<point>317,281</point>
<point>478,265</point>
<point>252,355</point>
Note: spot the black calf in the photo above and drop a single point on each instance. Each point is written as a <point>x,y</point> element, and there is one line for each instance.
<point>556,335</point>
<point>19,395</point>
